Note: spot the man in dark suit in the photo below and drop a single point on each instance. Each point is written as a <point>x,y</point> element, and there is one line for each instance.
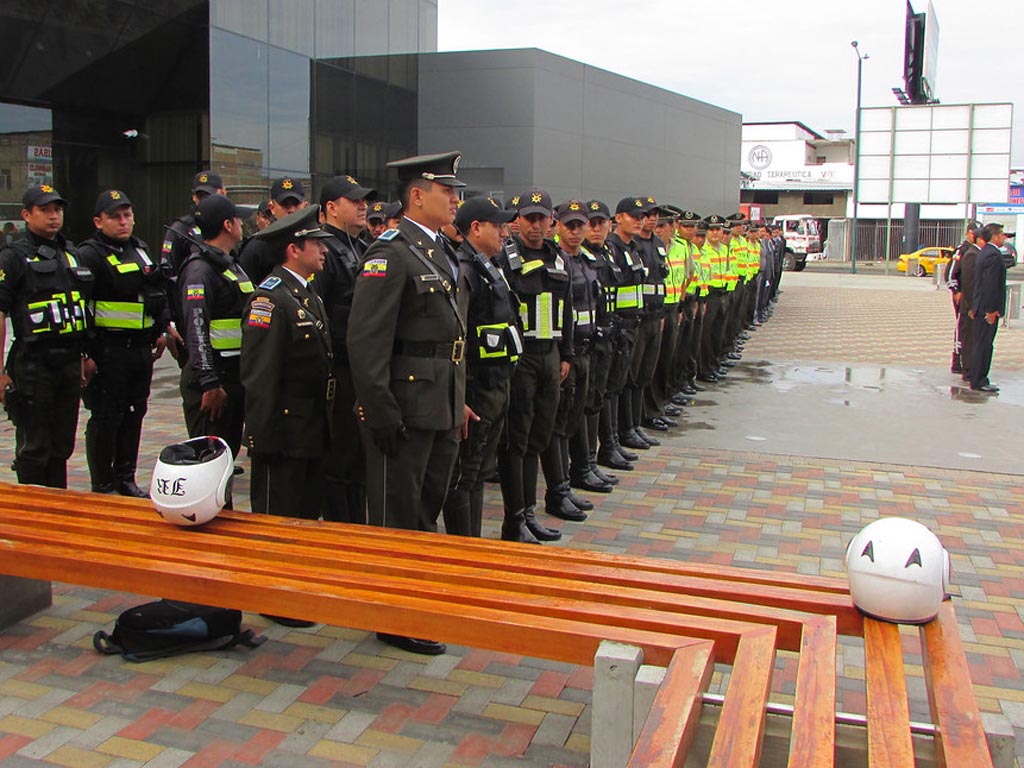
<point>988,303</point>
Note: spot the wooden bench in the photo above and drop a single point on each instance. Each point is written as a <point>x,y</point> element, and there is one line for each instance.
<point>545,602</point>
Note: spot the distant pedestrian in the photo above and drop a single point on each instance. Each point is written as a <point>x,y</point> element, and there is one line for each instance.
<point>988,304</point>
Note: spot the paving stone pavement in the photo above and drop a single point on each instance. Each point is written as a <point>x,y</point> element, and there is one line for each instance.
<point>332,696</point>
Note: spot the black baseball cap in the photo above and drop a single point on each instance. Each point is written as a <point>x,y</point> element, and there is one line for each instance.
<point>287,189</point>
<point>634,206</point>
<point>377,211</point>
<point>650,206</point>
<point>440,168</point>
<point>347,187</point>
<point>393,210</point>
<point>263,209</point>
<point>572,210</point>
<point>41,194</point>
<point>481,209</point>
<point>535,201</point>
<point>598,210</point>
<point>211,213</point>
<point>110,201</point>
<point>208,182</point>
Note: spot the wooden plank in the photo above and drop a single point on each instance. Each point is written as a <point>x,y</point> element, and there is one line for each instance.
<point>813,740</point>
<point>667,735</point>
<point>502,595</point>
<point>960,739</point>
<point>740,731</point>
<point>368,609</point>
<point>338,564</point>
<point>889,741</point>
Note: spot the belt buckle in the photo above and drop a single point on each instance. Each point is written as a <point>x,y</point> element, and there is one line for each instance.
<point>332,386</point>
<point>458,350</point>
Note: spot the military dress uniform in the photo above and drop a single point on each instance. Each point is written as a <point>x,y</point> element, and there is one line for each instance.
<point>493,345</point>
<point>131,313</point>
<point>285,368</point>
<point>214,291</point>
<point>541,280</point>
<point>44,290</point>
<point>406,344</point>
<point>346,468</point>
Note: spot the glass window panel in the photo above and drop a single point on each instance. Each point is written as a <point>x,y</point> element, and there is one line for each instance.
<point>244,17</point>
<point>291,25</point>
<point>335,28</point>
<point>288,96</point>
<point>26,158</point>
<point>239,82</point>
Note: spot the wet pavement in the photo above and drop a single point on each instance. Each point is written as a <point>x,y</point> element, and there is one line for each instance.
<point>843,409</point>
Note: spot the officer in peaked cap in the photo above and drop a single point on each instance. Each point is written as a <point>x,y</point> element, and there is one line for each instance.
<point>406,344</point>
<point>286,371</point>
<point>692,307</point>
<point>715,251</point>
<point>287,195</point>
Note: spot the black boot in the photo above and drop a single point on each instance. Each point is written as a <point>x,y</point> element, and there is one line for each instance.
<point>129,488</point>
<point>99,452</point>
<point>608,455</point>
<point>510,471</point>
<point>457,512</point>
<point>476,510</point>
<point>514,528</point>
<point>557,504</point>
<point>126,451</point>
<point>539,531</point>
<point>581,504</point>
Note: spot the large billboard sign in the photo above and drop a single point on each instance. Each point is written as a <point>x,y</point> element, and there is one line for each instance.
<point>941,154</point>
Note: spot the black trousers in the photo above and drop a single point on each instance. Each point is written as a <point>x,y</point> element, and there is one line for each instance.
<point>199,423</point>
<point>981,362</point>
<point>345,468</point>
<point>289,487</point>
<point>117,398</point>
<point>48,383</point>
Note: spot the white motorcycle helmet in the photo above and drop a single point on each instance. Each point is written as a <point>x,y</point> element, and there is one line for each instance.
<point>190,480</point>
<point>898,571</point>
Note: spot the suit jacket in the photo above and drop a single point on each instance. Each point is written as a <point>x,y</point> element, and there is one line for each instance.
<point>407,314</point>
<point>989,282</point>
<point>286,369</point>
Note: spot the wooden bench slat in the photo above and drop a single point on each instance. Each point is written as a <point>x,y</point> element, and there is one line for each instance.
<point>317,562</point>
<point>667,735</point>
<point>961,738</point>
<point>813,742</point>
<point>740,731</point>
<point>329,537</point>
<point>889,740</point>
<point>575,642</point>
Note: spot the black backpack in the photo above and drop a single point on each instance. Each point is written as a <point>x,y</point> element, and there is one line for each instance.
<point>170,627</point>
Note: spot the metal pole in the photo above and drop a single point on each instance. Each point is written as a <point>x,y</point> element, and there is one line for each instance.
<point>856,163</point>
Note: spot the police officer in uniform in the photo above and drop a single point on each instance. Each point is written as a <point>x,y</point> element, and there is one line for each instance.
<point>214,290</point>
<point>714,255</point>
<point>257,258</point>
<point>684,249</point>
<point>44,290</point>
<point>406,344</point>
<point>493,345</point>
<point>344,205</point>
<point>559,500</point>
<point>285,368</point>
<point>539,276</point>
<point>131,315</point>
<point>376,224</point>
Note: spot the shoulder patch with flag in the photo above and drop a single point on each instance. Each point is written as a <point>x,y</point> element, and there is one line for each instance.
<point>375,268</point>
<point>195,292</point>
<point>260,313</point>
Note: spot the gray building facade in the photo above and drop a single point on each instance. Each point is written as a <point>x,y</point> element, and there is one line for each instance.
<point>525,118</point>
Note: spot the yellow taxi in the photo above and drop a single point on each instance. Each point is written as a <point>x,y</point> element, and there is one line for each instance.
<point>927,259</point>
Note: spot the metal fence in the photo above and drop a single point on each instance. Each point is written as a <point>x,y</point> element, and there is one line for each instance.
<point>872,235</point>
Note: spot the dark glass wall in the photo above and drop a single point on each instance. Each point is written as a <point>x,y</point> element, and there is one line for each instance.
<point>126,84</point>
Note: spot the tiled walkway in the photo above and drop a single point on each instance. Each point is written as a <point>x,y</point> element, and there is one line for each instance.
<point>333,696</point>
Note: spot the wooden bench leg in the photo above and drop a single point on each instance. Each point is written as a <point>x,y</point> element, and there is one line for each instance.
<point>611,728</point>
<point>22,598</point>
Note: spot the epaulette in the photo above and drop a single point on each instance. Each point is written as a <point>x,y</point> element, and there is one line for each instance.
<point>271,282</point>
<point>388,235</point>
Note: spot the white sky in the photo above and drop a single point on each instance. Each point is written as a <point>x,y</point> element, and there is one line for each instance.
<point>773,60</point>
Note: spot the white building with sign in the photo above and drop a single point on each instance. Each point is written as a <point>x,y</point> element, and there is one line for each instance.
<point>788,168</point>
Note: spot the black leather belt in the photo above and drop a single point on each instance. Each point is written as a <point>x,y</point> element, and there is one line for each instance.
<point>452,350</point>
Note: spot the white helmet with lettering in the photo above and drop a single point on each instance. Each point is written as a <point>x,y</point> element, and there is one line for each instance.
<point>190,480</point>
<point>898,571</point>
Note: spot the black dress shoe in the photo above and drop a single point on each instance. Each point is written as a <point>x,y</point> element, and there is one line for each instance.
<point>673,410</point>
<point>513,528</point>
<point>682,398</point>
<point>284,621</point>
<point>627,455</point>
<point>107,488</point>
<point>129,488</point>
<point>238,470</point>
<point>633,440</point>
<point>707,378</point>
<point>669,422</point>
<point>591,482</point>
<point>539,532</point>
<point>734,356</point>
<point>657,424</point>
<point>985,388</point>
<point>652,442</point>
<point>688,391</point>
<point>578,501</point>
<point>722,372</point>
<point>728,363</point>
<point>613,460</point>
<point>696,387</point>
<point>603,476</point>
<point>559,506</point>
<point>413,644</point>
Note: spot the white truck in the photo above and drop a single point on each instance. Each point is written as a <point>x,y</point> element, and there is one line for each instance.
<point>803,239</point>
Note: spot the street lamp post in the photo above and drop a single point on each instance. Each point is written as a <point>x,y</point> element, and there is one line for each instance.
<point>856,162</point>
